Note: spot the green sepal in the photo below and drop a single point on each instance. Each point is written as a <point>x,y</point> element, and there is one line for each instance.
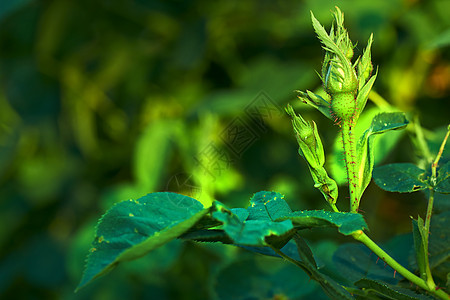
<point>317,102</point>
<point>364,65</point>
<point>363,94</point>
<point>365,157</point>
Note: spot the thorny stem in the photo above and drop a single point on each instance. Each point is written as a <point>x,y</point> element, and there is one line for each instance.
<point>350,161</point>
<point>363,238</point>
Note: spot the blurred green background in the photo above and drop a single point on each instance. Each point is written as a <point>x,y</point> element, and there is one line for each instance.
<point>102,101</point>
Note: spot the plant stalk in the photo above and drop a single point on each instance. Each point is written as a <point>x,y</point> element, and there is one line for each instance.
<point>350,162</point>
<point>433,183</point>
<point>363,238</point>
<point>430,281</point>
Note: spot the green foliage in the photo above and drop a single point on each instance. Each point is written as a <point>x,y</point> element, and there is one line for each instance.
<point>259,278</point>
<point>131,229</point>
<point>381,123</point>
<point>407,178</point>
<point>439,247</point>
<point>443,179</point>
<point>403,178</point>
<point>420,246</point>
<point>374,287</point>
<point>331,288</point>
<point>250,232</point>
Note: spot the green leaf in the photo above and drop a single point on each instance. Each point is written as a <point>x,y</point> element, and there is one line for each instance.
<point>390,292</point>
<point>355,261</point>
<point>304,251</point>
<point>365,149</point>
<point>267,206</point>
<point>439,246</point>
<point>305,260</point>
<point>131,229</point>
<point>241,213</point>
<point>290,249</point>
<point>420,247</point>
<point>262,277</point>
<point>402,178</point>
<point>443,179</point>
<point>331,288</point>
<point>251,232</point>
<point>388,121</point>
<point>347,223</point>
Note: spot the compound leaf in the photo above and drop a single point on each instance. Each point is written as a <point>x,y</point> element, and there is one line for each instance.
<point>131,229</point>
<point>402,178</point>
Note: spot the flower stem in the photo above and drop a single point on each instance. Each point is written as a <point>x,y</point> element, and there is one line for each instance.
<point>433,183</point>
<point>350,162</point>
<point>430,281</point>
<point>363,238</point>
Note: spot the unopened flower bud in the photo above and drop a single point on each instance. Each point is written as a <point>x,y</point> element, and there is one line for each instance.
<point>310,144</point>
